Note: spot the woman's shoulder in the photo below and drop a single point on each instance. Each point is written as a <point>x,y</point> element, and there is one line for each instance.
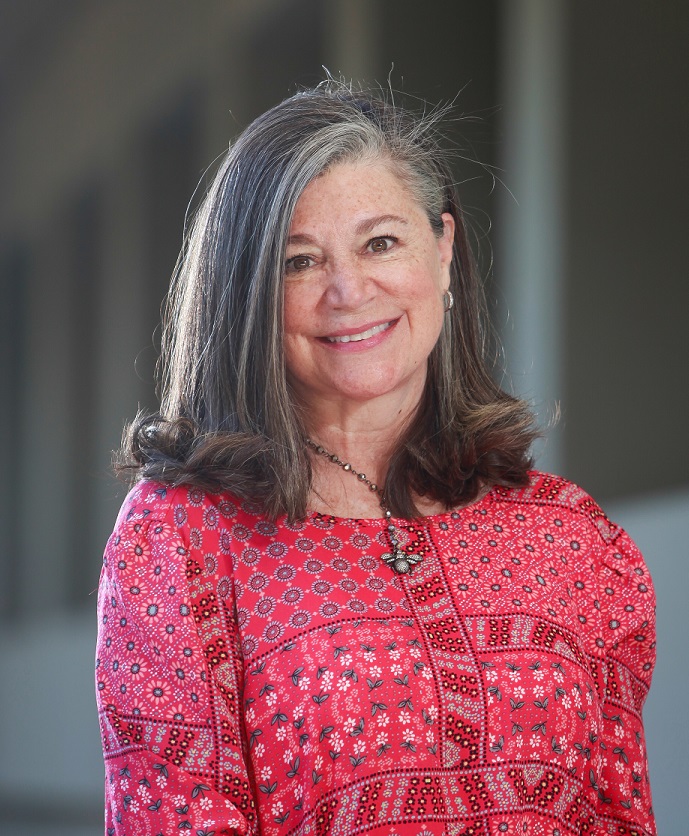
<point>151,499</point>
<point>172,524</point>
<point>548,489</point>
<point>183,512</point>
<point>590,540</point>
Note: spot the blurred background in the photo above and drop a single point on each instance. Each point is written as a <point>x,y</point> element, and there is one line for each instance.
<point>571,132</point>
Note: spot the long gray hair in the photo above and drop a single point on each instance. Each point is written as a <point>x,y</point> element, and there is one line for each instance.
<point>227,419</point>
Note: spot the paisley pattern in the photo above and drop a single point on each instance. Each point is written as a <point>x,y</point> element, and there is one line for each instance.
<point>258,677</point>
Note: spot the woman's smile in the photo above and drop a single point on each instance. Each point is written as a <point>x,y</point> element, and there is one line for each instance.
<point>361,338</point>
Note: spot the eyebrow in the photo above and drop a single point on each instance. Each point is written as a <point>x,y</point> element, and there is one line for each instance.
<point>369,224</point>
<point>362,228</point>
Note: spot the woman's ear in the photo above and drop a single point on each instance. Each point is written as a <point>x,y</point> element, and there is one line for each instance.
<point>445,245</point>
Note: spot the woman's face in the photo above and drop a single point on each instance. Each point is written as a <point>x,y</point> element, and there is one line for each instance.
<point>364,282</point>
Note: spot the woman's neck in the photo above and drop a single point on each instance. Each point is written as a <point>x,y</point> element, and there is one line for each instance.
<point>365,436</point>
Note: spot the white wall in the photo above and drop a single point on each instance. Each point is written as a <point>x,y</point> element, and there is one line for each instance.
<point>659,525</point>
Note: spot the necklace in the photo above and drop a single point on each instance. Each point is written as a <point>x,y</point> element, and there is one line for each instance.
<point>398,560</point>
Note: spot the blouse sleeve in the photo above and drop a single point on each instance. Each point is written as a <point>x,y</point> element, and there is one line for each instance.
<point>172,740</point>
<point>627,606</point>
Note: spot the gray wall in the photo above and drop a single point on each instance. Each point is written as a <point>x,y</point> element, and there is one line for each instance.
<point>627,293</point>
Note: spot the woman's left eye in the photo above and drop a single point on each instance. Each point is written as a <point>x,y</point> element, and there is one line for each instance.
<point>381,244</point>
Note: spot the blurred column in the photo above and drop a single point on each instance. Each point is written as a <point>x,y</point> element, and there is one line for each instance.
<point>530,240</point>
<point>124,330</point>
<point>351,36</point>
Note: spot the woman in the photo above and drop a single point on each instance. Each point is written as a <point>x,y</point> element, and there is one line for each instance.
<point>338,600</point>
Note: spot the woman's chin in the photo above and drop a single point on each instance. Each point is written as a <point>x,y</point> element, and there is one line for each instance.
<point>386,385</point>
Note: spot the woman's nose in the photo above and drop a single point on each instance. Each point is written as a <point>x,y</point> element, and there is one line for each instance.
<point>349,284</point>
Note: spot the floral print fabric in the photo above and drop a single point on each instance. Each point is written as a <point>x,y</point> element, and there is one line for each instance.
<point>258,677</point>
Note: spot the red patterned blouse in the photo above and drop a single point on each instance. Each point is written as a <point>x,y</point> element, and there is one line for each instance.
<point>258,677</point>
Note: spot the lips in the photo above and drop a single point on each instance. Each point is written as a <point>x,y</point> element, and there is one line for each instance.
<point>361,335</point>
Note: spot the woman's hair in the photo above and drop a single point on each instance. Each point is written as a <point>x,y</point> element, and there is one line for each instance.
<point>228,421</point>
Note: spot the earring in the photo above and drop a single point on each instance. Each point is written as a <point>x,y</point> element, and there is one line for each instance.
<point>448,300</point>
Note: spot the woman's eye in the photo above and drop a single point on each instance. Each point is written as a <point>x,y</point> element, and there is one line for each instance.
<point>297,263</point>
<point>382,244</point>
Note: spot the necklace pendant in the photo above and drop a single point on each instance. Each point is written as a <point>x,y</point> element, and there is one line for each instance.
<point>399,562</point>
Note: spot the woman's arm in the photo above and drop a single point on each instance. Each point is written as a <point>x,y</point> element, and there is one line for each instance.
<point>627,604</point>
<point>172,740</point>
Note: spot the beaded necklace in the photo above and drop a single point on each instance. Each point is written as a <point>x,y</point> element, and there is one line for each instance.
<point>398,560</point>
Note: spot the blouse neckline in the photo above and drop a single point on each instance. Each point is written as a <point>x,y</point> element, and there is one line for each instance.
<point>374,522</point>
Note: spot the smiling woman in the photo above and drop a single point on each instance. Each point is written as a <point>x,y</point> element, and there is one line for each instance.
<point>337,600</point>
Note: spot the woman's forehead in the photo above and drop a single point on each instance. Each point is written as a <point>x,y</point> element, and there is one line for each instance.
<point>369,186</point>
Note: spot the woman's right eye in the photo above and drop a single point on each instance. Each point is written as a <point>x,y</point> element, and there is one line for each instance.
<point>297,263</point>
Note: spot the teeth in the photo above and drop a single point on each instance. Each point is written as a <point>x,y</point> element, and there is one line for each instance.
<point>364,335</point>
